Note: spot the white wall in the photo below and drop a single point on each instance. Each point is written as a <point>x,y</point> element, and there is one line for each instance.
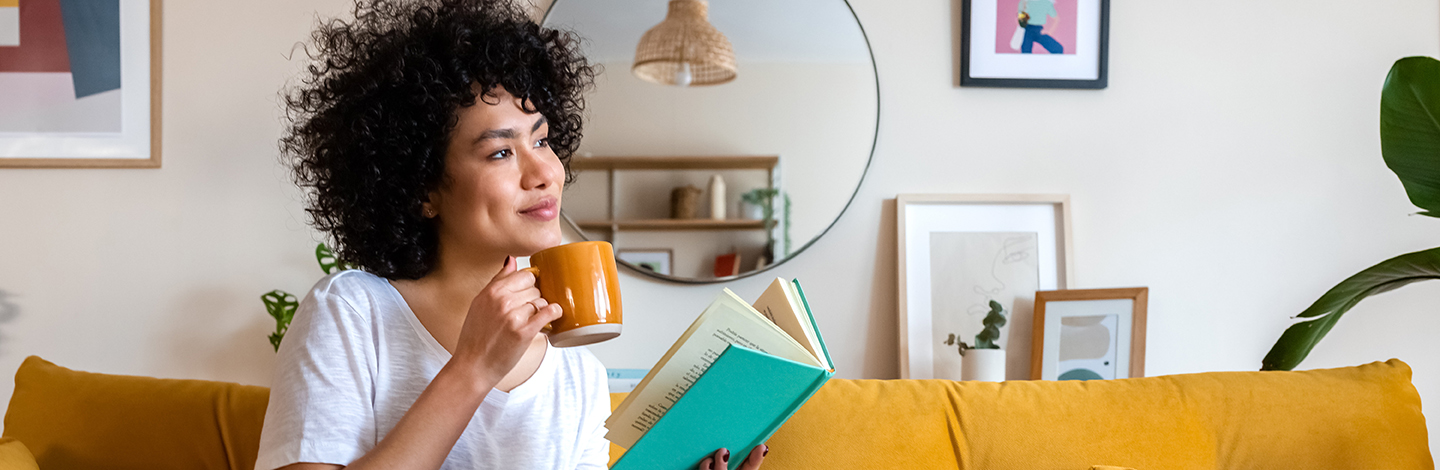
<point>1232,166</point>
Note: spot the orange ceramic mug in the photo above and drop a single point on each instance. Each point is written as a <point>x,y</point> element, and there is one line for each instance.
<point>581,278</point>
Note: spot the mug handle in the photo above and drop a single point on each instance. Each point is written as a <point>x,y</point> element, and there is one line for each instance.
<point>536,272</point>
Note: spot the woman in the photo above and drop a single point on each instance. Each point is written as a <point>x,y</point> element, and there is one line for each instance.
<point>434,138</point>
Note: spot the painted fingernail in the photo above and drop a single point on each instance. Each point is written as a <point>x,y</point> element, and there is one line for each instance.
<point>708,464</point>
<point>724,456</point>
<point>765,452</point>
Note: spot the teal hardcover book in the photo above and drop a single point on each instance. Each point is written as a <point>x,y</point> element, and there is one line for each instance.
<point>737,404</point>
<point>731,380</point>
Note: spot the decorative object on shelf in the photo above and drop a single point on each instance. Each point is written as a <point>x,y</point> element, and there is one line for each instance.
<point>1410,145</point>
<point>956,253</point>
<point>84,88</point>
<point>983,361</point>
<point>281,305</point>
<point>656,260</point>
<point>727,265</point>
<point>1089,334</point>
<point>717,198</point>
<point>684,202</point>
<point>685,49</point>
<point>1035,43</point>
<point>759,204</point>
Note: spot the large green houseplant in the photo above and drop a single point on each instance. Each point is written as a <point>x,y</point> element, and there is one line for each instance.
<point>1410,144</point>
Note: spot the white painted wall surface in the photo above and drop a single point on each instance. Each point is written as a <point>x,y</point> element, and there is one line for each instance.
<point>1232,166</point>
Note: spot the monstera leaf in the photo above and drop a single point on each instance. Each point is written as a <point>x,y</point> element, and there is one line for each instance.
<point>281,305</point>
<point>1410,142</point>
<point>327,260</point>
<point>1410,129</point>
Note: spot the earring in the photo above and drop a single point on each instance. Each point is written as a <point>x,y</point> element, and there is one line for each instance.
<point>428,212</point>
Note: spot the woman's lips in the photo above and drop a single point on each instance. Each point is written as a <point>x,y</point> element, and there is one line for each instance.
<point>546,210</point>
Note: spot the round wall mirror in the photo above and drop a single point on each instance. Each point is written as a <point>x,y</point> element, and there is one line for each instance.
<point>710,181</point>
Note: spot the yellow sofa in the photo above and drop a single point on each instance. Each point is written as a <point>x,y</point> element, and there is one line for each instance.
<point>1364,418</point>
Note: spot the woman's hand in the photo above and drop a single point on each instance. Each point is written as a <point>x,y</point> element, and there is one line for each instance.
<point>502,322</point>
<point>721,459</point>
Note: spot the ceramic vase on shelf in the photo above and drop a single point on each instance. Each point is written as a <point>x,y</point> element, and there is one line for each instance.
<point>985,365</point>
<point>717,198</point>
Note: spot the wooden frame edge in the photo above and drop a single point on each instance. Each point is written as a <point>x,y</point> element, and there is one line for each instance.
<point>1066,275</point>
<point>156,43</point>
<point>1138,324</point>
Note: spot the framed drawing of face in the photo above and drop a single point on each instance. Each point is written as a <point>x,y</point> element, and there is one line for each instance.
<point>959,252</point>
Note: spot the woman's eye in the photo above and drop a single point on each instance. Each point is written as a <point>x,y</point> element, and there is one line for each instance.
<point>501,154</point>
<point>545,142</point>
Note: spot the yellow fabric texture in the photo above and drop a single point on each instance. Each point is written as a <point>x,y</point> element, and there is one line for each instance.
<point>1366,417</point>
<point>1362,418</point>
<point>81,420</point>
<point>14,456</point>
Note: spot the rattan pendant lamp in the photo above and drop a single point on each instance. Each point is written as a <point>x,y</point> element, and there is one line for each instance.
<point>684,49</point>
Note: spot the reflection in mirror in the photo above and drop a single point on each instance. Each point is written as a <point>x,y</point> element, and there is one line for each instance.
<point>781,148</point>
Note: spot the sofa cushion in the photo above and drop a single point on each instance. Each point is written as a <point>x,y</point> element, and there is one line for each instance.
<point>14,456</point>
<point>81,420</point>
<point>1366,417</point>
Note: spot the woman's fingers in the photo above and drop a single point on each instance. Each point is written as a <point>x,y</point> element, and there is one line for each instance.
<point>705,464</point>
<point>542,316</point>
<point>757,455</point>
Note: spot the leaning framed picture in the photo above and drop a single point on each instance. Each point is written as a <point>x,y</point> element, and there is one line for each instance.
<point>657,260</point>
<point>1089,334</point>
<point>80,83</point>
<point>1035,43</point>
<point>956,253</point>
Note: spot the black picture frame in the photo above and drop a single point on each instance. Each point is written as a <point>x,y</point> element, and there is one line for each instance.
<point>1019,82</point>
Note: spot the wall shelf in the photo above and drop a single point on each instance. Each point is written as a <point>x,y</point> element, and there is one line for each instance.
<point>639,225</point>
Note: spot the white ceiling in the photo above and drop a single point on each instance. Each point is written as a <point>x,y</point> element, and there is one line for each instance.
<point>823,31</point>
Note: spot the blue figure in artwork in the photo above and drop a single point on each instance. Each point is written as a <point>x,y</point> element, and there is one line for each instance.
<point>1034,16</point>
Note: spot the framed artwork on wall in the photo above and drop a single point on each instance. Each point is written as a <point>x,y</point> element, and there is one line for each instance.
<point>1035,43</point>
<point>955,254</point>
<point>1089,334</point>
<point>80,83</point>
<point>658,260</point>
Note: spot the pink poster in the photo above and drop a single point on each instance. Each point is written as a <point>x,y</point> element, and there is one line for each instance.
<point>1050,27</point>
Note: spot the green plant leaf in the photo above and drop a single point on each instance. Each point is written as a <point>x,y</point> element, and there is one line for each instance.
<point>281,305</point>
<point>1410,129</point>
<point>1300,338</point>
<point>328,262</point>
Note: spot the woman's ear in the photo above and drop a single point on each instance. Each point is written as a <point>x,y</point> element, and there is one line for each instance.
<point>427,207</point>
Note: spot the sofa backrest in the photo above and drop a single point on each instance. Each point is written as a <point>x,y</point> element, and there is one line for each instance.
<point>81,420</point>
<point>1366,417</point>
<point>1353,418</point>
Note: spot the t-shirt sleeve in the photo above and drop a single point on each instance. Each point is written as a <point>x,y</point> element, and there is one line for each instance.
<point>596,455</point>
<point>322,396</point>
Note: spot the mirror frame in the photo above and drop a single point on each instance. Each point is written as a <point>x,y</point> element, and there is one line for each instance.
<point>875,138</point>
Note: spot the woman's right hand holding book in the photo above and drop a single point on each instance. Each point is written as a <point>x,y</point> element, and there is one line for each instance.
<point>721,459</point>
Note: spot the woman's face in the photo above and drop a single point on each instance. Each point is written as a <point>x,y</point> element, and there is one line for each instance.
<point>501,193</point>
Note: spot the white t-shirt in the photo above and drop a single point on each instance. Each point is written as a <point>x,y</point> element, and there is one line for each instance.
<point>356,358</point>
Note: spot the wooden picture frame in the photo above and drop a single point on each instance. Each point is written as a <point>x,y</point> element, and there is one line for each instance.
<point>1119,315</point>
<point>136,144</point>
<point>972,222</point>
<point>988,58</point>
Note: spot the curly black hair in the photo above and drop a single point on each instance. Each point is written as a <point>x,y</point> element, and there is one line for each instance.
<point>371,119</point>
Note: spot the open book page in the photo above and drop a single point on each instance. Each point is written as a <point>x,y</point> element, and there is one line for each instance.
<point>781,305</point>
<point>728,320</point>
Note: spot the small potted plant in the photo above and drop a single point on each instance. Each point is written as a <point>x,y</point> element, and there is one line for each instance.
<point>983,361</point>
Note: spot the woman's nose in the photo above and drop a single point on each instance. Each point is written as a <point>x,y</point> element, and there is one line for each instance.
<point>539,169</point>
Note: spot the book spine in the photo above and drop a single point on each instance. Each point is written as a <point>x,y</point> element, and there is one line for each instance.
<point>820,379</point>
